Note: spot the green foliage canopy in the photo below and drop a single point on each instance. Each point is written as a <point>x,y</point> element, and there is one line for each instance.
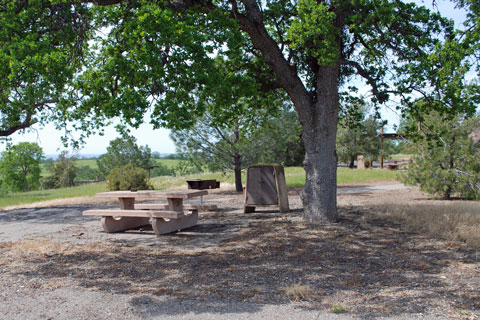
<point>41,48</point>
<point>20,166</point>
<point>148,54</point>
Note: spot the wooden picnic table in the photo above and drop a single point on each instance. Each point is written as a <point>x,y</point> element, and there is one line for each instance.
<point>165,218</point>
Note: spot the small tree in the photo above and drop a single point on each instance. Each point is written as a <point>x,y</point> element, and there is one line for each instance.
<point>128,177</point>
<point>122,151</point>
<point>445,159</point>
<point>281,138</point>
<point>63,173</point>
<point>245,141</point>
<point>219,147</point>
<point>360,136</point>
<point>20,166</point>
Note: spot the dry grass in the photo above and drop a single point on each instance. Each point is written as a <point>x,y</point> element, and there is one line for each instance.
<point>46,248</point>
<point>360,265</point>
<point>450,220</point>
<point>299,292</point>
<point>339,308</point>
<point>36,247</point>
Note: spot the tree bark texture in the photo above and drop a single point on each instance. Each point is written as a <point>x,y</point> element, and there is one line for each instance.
<point>319,136</point>
<point>238,173</point>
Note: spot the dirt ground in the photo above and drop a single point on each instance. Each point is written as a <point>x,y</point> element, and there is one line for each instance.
<point>57,264</point>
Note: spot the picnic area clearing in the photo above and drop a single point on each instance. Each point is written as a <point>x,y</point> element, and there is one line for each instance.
<point>235,265</point>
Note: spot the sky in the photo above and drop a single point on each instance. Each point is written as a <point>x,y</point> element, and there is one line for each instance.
<point>158,140</point>
<point>50,140</point>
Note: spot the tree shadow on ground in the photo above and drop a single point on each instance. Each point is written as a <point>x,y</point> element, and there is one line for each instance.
<point>368,264</point>
<point>48,215</point>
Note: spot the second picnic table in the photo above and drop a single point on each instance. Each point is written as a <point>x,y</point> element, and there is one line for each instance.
<point>165,218</point>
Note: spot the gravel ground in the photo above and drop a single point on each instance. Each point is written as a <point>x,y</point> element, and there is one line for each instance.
<point>57,264</point>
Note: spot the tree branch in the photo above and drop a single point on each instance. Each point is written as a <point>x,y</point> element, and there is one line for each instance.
<point>286,75</point>
<point>370,80</point>
<point>22,125</point>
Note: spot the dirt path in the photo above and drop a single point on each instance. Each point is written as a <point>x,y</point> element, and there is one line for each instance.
<point>56,264</point>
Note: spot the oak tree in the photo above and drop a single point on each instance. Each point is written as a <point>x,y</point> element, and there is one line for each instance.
<point>159,56</point>
<point>41,48</point>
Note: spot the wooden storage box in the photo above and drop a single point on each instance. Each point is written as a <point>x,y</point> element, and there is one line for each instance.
<point>265,187</point>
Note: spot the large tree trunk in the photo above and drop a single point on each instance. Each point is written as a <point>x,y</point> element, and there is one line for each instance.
<point>319,136</point>
<point>317,112</point>
<point>238,173</point>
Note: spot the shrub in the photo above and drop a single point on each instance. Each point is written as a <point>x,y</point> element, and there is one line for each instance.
<point>63,173</point>
<point>128,177</point>
<point>88,173</point>
<point>49,182</point>
<point>122,151</point>
<point>445,159</point>
<point>162,170</point>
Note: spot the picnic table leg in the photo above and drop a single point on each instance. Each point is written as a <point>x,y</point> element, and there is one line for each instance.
<point>175,204</point>
<point>127,203</point>
<point>110,224</point>
<point>164,226</point>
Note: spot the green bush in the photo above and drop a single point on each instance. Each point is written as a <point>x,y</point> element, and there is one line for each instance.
<point>162,170</point>
<point>128,177</point>
<point>122,151</point>
<point>48,182</point>
<point>445,159</point>
<point>88,173</point>
<point>63,173</point>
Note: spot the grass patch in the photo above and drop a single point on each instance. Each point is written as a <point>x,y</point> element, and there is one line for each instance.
<point>400,156</point>
<point>299,292</point>
<point>18,198</point>
<point>295,176</point>
<point>339,308</point>
<point>161,183</point>
<point>91,163</point>
<point>452,220</point>
<point>169,163</point>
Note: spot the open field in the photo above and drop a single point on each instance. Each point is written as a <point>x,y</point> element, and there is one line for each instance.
<point>18,198</point>
<point>295,177</point>
<point>400,156</point>
<point>263,265</point>
<point>92,163</point>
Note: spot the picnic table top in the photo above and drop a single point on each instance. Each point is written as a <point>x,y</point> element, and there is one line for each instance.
<point>153,194</point>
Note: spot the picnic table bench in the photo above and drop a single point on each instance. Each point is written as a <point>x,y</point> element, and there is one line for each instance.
<point>164,218</point>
